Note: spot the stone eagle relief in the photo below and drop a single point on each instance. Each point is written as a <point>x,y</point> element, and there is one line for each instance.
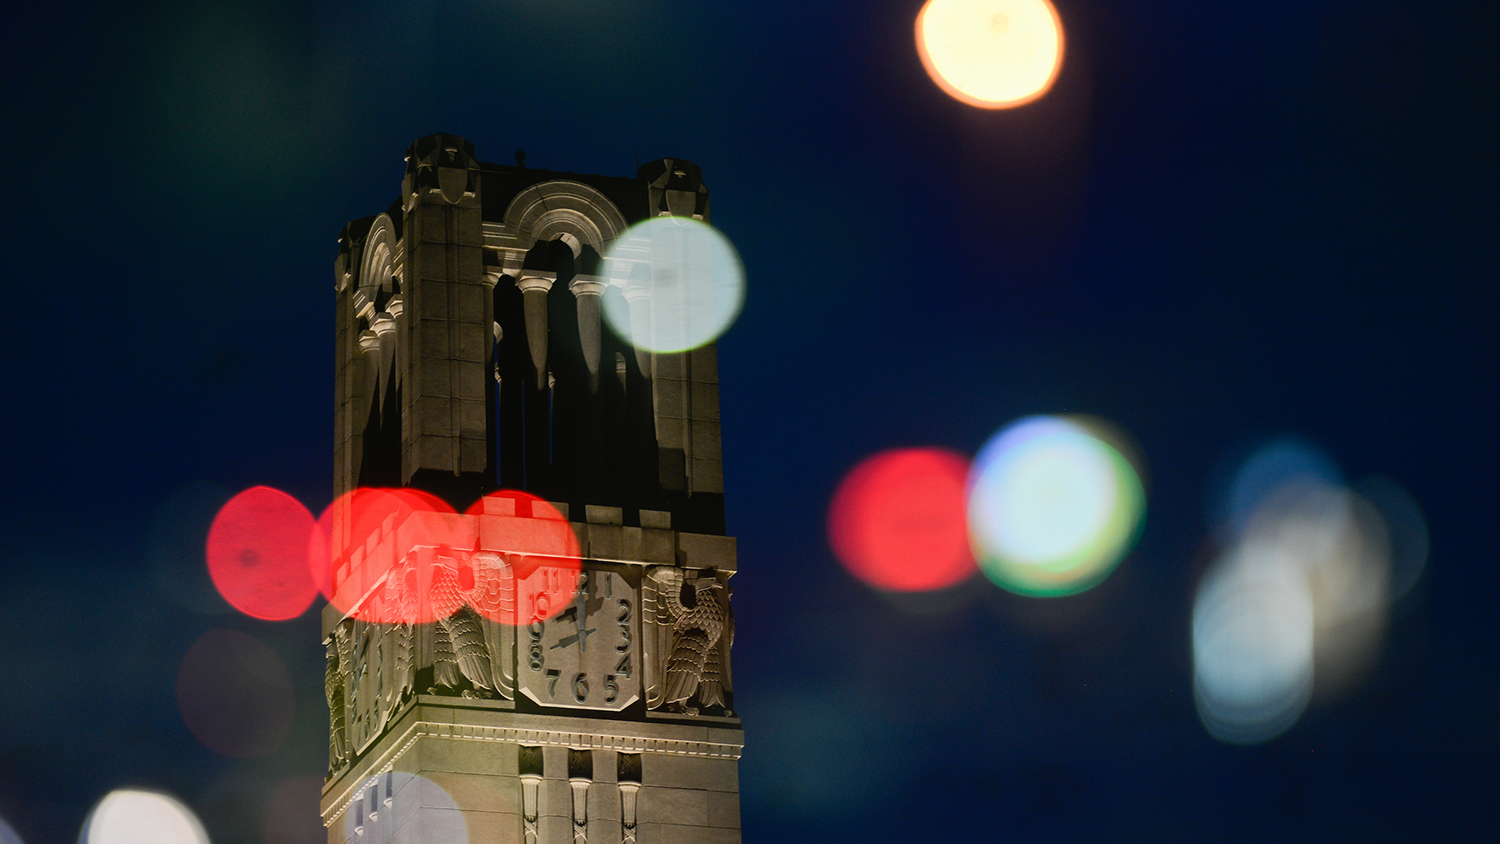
<point>373,666</point>
<point>690,631</point>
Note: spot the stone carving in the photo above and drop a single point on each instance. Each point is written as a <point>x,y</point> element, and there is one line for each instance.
<point>529,767</point>
<point>458,649</point>
<point>442,165</point>
<point>580,776</point>
<point>373,666</point>
<point>628,775</point>
<point>567,210</point>
<point>692,628</point>
<point>465,647</point>
<point>676,188</point>
<point>333,690</point>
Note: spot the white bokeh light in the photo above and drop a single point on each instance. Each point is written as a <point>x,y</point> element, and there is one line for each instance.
<point>682,281</point>
<point>1296,607</point>
<point>1252,645</point>
<point>128,816</point>
<point>401,808</point>
<point>1051,506</point>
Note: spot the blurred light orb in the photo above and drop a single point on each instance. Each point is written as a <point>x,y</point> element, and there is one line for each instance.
<point>682,280</point>
<point>235,695</point>
<point>991,53</point>
<point>1052,506</point>
<point>1278,464</point>
<point>1406,528</point>
<point>128,816</point>
<point>531,559</point>
<point>1339,545</point>
<point>897,521</point>
<point>389,555</point>
<point>1253,631</point>
<point>8,835</point>
<point>291,812</point>
<point>257,547</point>
<point>386,809</point>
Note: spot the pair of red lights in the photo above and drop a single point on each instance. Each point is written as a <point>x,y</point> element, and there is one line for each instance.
<point>386,555</point>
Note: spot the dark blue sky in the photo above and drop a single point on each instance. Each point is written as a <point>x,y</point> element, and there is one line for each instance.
<point>1227,221</point>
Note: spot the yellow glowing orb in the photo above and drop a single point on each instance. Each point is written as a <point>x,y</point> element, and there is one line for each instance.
<point>991,53</point>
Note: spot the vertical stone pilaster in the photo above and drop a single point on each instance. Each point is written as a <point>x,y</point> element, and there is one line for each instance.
<point>443,407</point>
<point>629,777</point>
<point>531,774</point>
<point>580,777</point>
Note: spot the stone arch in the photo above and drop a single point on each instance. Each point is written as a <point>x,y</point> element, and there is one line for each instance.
<point>377,264</point>
<point>570,211</point>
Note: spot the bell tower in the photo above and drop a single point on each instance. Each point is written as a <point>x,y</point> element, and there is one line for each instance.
<point>529,626</point>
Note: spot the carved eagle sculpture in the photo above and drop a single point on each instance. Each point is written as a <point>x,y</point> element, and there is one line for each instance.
<point>464,645</point>
<point>695,626</point>
<point>338,650</point>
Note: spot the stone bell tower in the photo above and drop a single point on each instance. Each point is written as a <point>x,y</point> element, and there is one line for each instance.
<point>472,358</point>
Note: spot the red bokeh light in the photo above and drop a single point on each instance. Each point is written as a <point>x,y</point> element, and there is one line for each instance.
<point>531,542</point>
<point>256,552</point>
<point>291,812</point>
<point>235,695</point>
<point>897,521</point>
<point>390,555</point>
<point>403,555</point>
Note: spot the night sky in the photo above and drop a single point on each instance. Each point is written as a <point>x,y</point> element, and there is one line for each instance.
<point>1227,222</point>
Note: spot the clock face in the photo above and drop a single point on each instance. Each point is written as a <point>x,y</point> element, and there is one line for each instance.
<point>578,648</point>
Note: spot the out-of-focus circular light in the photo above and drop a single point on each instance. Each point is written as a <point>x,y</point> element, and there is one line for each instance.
<point>377,554</point>
<point>682,281</point>
<point>256,553</point>
<point>8,835</point>
<point>235,695</point>
<point>141,817</point>
<point>1052,507</point>
<point>529,563</point>
<point>1253,632</point>
<point>897,521</point>
<point>291,813</point>
<point>1406,529</point>
<point>402,808</point>
<point>1278,464</point>
<point>1340,545</point>
<point>991,53</point>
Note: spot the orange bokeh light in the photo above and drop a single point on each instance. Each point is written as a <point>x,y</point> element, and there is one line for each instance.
<point>897,521</point>
<point>991,53</point>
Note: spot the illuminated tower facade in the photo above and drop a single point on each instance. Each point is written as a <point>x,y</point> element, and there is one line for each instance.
<point>580,697</point>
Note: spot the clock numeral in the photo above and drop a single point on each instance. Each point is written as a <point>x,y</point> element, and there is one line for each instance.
<point>611,688</point>
<point>580,687</point>
<point>623,667</point>
<point>624,626</point>
<point>552,674</point>
<point>534,655</point>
